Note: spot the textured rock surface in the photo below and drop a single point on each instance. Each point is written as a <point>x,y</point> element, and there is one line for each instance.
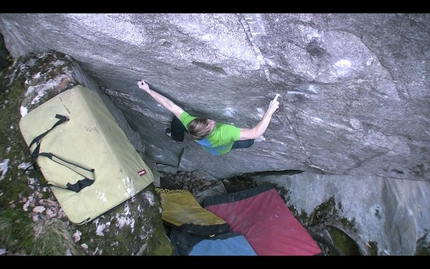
<point>354,90</point>
<point>131,228</point>
<point>354,98</point>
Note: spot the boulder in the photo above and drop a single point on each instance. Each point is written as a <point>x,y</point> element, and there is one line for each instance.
<point>353,90</point>
<point>353,109</point>
<point>131,228</point>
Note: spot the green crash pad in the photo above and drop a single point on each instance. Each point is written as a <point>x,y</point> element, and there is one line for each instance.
<point>90,138</point>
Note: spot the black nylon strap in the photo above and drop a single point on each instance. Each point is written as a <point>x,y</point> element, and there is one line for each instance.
<point>35,153</point>
<point>70,165</point>
<point>80,184</point>
<point>60,118</point>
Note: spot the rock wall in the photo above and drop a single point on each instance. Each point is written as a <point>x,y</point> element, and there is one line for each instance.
<point>354,104</point>
<point>354,91</point>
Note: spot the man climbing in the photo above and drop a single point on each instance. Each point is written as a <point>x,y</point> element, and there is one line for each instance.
<point>216,138</point>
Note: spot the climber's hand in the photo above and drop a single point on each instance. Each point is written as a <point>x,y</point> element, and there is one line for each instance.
<point>274,104</point>
<point>142,85</point>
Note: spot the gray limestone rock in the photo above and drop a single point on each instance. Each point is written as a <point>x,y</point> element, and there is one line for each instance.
<point>354,92</point>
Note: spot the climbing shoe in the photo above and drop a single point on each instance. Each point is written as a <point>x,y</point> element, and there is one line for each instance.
<point>168,132</point>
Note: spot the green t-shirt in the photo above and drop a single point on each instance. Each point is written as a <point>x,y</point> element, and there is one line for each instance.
<point>220,140</point>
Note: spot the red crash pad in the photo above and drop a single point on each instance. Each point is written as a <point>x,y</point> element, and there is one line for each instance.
<point>264,219</point>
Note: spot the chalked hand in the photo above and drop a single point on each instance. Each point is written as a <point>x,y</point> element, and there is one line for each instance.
<point>274,104</point>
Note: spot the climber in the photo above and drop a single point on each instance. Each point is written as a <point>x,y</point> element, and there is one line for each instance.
<point>216,138</point>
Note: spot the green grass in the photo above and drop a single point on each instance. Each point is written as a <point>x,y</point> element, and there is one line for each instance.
<point>19,234</point>
<point>15,228</point>
<point>51,237</point>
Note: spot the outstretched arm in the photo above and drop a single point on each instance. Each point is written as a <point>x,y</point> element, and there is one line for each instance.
<point>162,100</point>
<point>260,128</point>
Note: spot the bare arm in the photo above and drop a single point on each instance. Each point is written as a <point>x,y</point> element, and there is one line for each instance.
<point>162,100</point>
<point>260,128</point>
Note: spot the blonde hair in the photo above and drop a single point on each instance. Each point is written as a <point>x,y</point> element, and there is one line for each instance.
<point>197,128</point>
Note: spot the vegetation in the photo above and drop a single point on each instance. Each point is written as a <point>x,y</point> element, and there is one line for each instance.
<point>31,220</point>
<point>19,234</point>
